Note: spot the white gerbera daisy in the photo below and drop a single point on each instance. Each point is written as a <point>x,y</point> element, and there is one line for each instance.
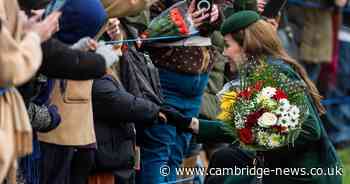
<point>268,92</point>
<point>294,111</point>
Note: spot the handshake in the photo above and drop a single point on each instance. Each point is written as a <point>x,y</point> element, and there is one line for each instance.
<point>205,130</point>
<point>173,117</point>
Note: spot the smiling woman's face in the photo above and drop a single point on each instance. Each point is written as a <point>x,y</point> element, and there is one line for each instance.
<point>232,49</point>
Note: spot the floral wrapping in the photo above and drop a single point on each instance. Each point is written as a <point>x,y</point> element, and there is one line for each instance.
<point>174,21</point>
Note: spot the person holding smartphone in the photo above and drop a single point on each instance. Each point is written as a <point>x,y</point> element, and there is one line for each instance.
<point>20,58</point>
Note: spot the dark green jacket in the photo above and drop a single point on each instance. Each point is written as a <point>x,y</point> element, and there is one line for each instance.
<point>312,149</point>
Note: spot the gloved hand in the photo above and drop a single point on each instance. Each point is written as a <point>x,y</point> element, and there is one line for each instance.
<point>85,44</point>
<point>107,52</point>
<point>55,116</point>
<point>43,118</point>
<point>176,119</point>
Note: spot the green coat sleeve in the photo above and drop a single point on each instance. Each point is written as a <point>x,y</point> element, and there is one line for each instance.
<point>215,131</point>
<point>311,127</point>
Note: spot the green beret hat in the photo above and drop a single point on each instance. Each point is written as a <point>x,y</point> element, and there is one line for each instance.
<point>238,21</point>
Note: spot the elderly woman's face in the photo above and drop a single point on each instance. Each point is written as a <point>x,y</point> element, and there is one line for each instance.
<point>232,49</point>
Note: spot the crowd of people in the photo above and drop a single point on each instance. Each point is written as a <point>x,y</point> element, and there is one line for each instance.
<point>85,98</point>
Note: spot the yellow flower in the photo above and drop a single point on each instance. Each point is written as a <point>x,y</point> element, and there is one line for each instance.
<point>224,116</point>
<point>227,105</point>
<point>228,100</point>
<point>231,95</point>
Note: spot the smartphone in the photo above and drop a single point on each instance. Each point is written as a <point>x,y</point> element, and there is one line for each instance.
<point>204,4</point>
<point>55,5</point>
<point>207,5</point>
<point>273,8</point>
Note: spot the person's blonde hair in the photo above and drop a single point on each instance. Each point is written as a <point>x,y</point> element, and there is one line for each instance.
<point>260,39</point>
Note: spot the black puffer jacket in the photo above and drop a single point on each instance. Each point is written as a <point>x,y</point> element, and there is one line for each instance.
<point>114,110</point>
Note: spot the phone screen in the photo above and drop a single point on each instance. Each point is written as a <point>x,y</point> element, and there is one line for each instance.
<point>55,5</point>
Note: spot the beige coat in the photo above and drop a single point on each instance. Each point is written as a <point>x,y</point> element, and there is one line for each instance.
<point>20,58</point>
<point>75,107</point>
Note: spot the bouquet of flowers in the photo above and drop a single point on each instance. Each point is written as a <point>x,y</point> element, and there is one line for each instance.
<point>267,109</point>
<point>174,21</point>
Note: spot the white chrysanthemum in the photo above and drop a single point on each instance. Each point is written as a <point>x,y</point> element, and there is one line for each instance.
<point>283,121</point>
<point>280,110</point>
<point>267,120</point>
<point>287,121</point>
<point>268,91</point>
<point>292,122</point>
<point>294,112</point>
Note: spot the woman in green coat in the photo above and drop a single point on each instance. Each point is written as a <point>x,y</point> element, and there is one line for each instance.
<point>312,154</point>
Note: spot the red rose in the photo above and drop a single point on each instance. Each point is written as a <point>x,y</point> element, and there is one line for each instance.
<point>246,135</point>
<point>280,95</point>
<point>253,117</point>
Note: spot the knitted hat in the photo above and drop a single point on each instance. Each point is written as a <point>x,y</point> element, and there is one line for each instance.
<point>238,21</point>
<point>81,18</point>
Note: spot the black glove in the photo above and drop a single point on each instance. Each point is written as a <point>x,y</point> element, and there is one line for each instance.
<point>176,119</point>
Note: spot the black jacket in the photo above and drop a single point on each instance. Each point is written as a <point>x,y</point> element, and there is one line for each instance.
<point>59,61</point>
<point>114,110</point>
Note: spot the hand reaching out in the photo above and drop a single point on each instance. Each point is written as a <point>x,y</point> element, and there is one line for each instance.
<point>113,29</point>
<point>45,28</point>
<point>199,16</point>
<point>261,5</point>
<point>175,118</point>
<point>85,44</point>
